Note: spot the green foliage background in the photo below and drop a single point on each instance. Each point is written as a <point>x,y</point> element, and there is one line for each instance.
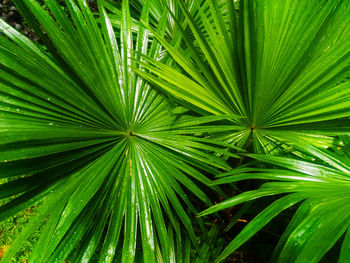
<point>176,131</point>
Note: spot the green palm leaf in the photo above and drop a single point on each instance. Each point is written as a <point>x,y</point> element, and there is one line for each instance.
<point>89,139</point>
<point>321,219</point>
<point>156,11</point>
<point>282,65</point>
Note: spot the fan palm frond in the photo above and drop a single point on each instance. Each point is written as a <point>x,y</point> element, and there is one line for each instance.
<point>92,142</point>
<point>281,65</point>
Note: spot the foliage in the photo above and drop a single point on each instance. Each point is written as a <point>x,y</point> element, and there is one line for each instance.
<point>283,66</point>
<point>10,229</point>
<point>94,141</point>
<point>321,219</point>
<point>119,123</point>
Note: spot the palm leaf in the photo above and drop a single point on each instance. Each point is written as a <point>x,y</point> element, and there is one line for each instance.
<point>88,139</point>
<point>321,219</point>
<point>282,66</point>
<point>156,11</point>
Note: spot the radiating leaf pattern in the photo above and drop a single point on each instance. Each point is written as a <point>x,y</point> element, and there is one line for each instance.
<point>117,168</point>
<point>282,65</point>
<point>102,151</point>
